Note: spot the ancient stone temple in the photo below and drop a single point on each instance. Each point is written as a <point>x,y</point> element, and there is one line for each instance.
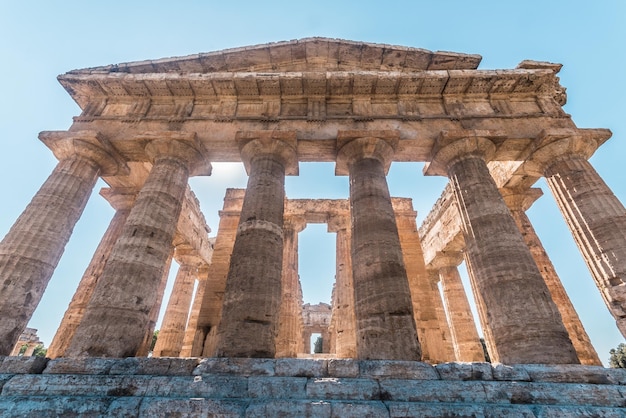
<point>399,336</point>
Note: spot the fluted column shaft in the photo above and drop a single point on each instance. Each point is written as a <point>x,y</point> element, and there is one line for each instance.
<point>118,314</point>
<point>32,248</point>
<point>584,349</point>
<point>467,345</point>
<point>252,298</point>
<point>289,328</point>
<point>383,309</point>
<point>76,309</point>
<point>172,332</point>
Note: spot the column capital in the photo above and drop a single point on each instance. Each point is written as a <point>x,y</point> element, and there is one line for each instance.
<point>354,145</point>
<point>181,145</point>
<point>445,259</point>
<point>403,206</point>
<point>282,144</point>
<point>184,255</point>
<point>294,222</point>
<point>451,146</point>
<point>120,198</point>
<point>339,223</point>
<point>517,199</point>
<point>86,144</point>
<point>553,145</point>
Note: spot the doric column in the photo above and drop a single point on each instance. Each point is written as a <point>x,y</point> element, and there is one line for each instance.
<point>201,334</point>
<point>467,346</point>
<point>118,314</point>
<point>384,313</point>
<point>343,320</point>
<point>172,332</point>
<point>289,323</point>
<point>253,287</point>
<point>30,251</point>
<point>524,322</point>
<point>122,201</point>
<point>518,202</point>
<point>595,216</point>
<point>430,319</point>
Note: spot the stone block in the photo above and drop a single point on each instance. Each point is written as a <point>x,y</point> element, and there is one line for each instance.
<point>358,409</point>
<point>577,412</point>
<point>75,385</point>
<point>343,368</point>
<point>3,379</point>
<point>338,388</point>
<point>155,366</point>
<point>567,373</point>
<point>33,364</point>
<point>197,386</point>
<point>617,376</point>
<point>301,367</point>
<point>68,406</point>
<point>90,365</point>
<point>191,407</point>
<point>284,408</point>
<point>464,371</point>
<point>239,366</point>
<point>277,387</point>
<point>398,369</point>
<point>419,409</point>
<point>432,391</point>
<point>508,373</point>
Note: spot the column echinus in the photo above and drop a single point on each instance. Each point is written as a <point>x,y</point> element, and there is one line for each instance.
<point>30,251</point>
<point>122,201</point>
<point>252,297</point>
<point>118,314</point>
<point>383,308</point>
<point>523,320</point>
<point>594,215</point>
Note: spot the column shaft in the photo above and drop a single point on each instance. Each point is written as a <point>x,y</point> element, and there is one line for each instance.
<point>524,321</point>
<point>384,314</point>
<point>31,250</point>
<point>597,220</point>
<point>74,313</point>
<point>253,287</point>
<point>118,314</point>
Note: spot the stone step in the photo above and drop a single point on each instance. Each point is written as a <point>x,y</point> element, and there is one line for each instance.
<point>303,387</point>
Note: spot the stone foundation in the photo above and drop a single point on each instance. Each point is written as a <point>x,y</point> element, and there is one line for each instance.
<point>234,387</point>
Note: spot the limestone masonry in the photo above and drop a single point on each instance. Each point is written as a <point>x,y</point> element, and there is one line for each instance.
<point>399,338</point>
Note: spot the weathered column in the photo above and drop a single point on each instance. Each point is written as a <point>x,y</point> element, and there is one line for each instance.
<point>524,322</point>
<point>172,332</point>
<point>467,346</point>
<point>383,309</point>
<point>118,314</point>
<point>253,287</point>
<point>430,319</point>
<point>519,202</point>
<point>201,334</point>
<point>289,327</point>
<point>343,320</point>
<point>122,201</point>
<point>595,216</point>
<point>31,250</point>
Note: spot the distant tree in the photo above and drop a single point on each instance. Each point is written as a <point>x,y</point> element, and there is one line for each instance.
<point>618,356</point>
<point>317,347</point>
<point>40,351</point>
<point>23,349</point>
<point>155,336</point>
<point>487,358</point>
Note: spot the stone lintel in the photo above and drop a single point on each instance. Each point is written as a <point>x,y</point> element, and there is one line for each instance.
<point>403,206</point>
<point>282,143</point>
<point>539,65</point>
<point>294,222</point>
<point>452,145</point>
<point>183,145</point>
<point>555,144</point>
<point>365,143</point>
<point>339,223</point>
<point>521,199</point>
<point>445,259</point>
<point>90,144</point>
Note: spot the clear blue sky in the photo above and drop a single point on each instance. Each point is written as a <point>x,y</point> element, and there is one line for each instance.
<point>41,39</point>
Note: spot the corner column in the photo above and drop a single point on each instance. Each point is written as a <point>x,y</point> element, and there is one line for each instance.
<point>524,322</point>
<point>594,215</point>
<point>118,314</point>
<point>32,248</point>
<point>383,309</point>
<point>253,287</point>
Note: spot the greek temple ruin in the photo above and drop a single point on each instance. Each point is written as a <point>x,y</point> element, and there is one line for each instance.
<point>399,308</point>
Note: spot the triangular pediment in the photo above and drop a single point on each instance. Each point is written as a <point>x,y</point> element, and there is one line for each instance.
<point>309,54</point>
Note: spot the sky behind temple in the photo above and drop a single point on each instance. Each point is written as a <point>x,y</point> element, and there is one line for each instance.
<point>42,39</point>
